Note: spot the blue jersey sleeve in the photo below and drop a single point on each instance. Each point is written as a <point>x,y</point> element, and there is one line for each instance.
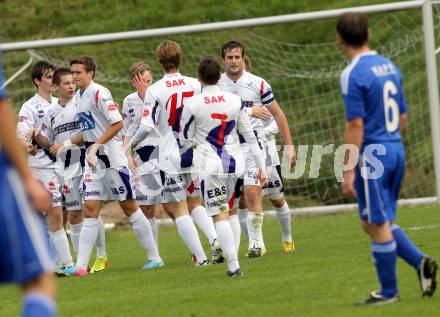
<point>2,90</point>
<point>353,100</point>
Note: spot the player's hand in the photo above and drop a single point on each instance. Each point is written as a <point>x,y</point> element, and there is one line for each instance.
<point>38,195</point>
<point>289,154</point>
<point>262,176</point>
<point>91,158</point>
<point>56,149</point>
<point>347,186</point>
<point>260,112</point>
<point>31,149</point>
<point>139,82</point>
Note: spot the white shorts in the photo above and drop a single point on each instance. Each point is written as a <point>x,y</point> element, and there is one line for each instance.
<point>52,182</point>
<point>250,173</point>
<point>218,193</point>
<point>72,194</point>
<point>148,189</point>
<point>109,184</point>
<point>177,188</point>
<point>274,187</point>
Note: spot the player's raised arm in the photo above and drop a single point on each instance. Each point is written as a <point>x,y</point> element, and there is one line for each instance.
<point>149,116</point>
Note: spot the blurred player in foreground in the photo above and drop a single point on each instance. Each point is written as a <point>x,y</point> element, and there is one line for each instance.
<point>24,250</point>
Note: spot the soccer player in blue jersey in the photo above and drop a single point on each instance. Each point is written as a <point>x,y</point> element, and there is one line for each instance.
<point>23,247</point>
<point>376,110</point>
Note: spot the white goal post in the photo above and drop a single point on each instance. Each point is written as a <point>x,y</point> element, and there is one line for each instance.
<point>425,7</point>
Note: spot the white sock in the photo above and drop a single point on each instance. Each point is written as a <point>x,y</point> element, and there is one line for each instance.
<point>242,218</point>
<point>75,230</point>
<point>61,244</point>
<point>153,224</point>
<point>226,240</point>
<point>188,232</point>
<point>236,231</point>
<point>201,219</point>
<point>87,239</point>
<point>255,225</point>
<point>144,234</point>
<point>100,241</point>
<point>284,217</point>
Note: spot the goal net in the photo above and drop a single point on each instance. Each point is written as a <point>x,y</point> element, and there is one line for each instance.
<point>302,62</point>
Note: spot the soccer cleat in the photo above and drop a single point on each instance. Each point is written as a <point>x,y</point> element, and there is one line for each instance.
<point>427,274</point>
<point>263,252</point>
<point>236,274</point>
<point>288,246</point>
<point>149,265</point>
<point>204,263</point>
<point>100,265</point>
<point>74,271</point>
<point>376,298</point>
<point>216,253</point>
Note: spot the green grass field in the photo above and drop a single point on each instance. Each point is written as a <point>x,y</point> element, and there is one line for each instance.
<point>330,269</point>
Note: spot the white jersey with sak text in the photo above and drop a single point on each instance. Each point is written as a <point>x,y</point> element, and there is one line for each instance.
<point>146,153</point>
<point>96,113</point>
<point>164,103</point>
<point>253,90</point>
<point>31,116</point>
<point>210,122</point>
<point>61,123</point>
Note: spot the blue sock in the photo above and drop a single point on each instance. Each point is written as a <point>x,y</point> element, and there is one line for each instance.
<point>406,249</point>
<point>37,304</point>
<point>384,256</point>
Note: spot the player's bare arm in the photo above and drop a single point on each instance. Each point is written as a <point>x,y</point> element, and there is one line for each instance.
<point>354,134</point>
<point>280,119</point>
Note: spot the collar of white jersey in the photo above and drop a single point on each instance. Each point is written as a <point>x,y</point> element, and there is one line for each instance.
<point>210,89</point>
<point>171,74</point>
<point>38,96</point>
<point>92,83</point>
<point>243,76</point>
<point>358,57</point>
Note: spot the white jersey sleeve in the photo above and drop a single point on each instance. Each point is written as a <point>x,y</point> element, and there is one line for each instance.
<point>108,107</point>
<point>187,131</point>
<point>26,121</point>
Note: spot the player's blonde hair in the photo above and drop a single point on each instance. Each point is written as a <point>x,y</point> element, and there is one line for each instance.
<point>169,55</point>
<point>139,68</point>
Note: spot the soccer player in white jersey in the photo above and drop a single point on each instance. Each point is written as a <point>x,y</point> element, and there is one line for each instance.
<point>274,188</point>
<point>210,122</point>
<point>164,103</point>
<point>144,163</point>
<point>253,90</point>
<point>30,118</point>
<point>106,177</point>
<point>60,124</point>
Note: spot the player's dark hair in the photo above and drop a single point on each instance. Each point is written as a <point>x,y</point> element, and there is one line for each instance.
<point>87,61</point>
<point>208,70</point>
<point>353,28</point>
<point>39,69</point>
<point>60,72</point>
<point>169,55</point>
<point>228,46</point>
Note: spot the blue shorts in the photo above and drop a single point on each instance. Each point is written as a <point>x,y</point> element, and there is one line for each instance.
<point>378,188</point>
<point>24,249</point>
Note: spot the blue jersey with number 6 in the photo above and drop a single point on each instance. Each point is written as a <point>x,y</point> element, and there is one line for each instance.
<point>372,90</point>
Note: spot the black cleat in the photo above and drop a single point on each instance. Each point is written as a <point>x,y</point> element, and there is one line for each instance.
<point>427,274</point>
<point>376,298</point>
<point>236,274</point>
